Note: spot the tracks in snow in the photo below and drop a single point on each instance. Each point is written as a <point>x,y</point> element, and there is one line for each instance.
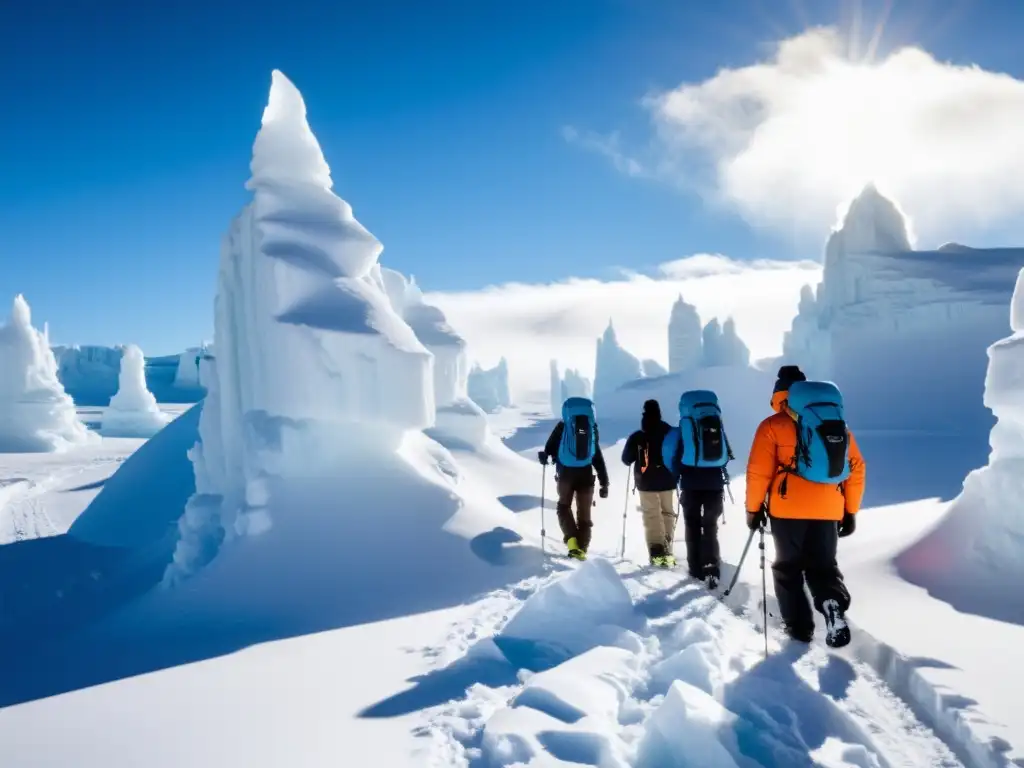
<point>693,688</point>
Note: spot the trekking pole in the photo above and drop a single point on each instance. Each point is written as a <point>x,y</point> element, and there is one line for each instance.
<point>736,573</point>
<point>625,509</point>
<point>764,595</point>
<point>543,533</point>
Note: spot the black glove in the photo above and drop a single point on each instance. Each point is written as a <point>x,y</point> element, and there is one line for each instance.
<point>757,519</point>
<point>542,457</point>
<point>847,525</point>
<point>603,493</point>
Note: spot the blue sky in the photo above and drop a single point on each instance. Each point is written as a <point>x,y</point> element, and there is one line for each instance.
<point>127,130</point>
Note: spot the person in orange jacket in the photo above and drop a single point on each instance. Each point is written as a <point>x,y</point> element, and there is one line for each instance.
<point>807,520</point>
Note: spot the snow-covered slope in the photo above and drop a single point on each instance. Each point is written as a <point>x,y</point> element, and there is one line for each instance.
<point>36,414</point>
<point>489,388</point>
<point>615,366</point>
<point>133,411</point>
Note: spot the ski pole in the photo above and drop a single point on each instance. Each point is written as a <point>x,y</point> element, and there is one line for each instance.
<point>543,533</point>
<point>625,509</point>
<point>739,565</point>
<point>764,595</point>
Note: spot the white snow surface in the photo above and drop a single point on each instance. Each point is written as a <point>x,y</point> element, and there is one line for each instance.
<point>36,414</point>
<point>614,365</point>
<point>133,411</point>
<point>488,387</point>
<point>685,338</point>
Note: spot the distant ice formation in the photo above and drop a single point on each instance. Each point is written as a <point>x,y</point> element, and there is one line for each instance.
<point>614,366</point>
<point>573,384</point>
<point>489,388</point>
<point>685,350</point>
<point>36,414</point>
<point>133,411</point>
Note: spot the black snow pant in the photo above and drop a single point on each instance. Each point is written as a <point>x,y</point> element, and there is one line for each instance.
<point>806,549</point>
<point>701,510</point>
<point>576,485</point>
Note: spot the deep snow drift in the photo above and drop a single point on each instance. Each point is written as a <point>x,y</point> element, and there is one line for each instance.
<point>133,411</point>
<point>489,388</point>
<point>979,548</point>
<point>36,414</point>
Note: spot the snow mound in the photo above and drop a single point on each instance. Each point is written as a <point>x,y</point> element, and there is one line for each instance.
<point>489,388</point>
<point>309,347</point>
<point>133,411</point>
<point>685,340</point>
<point>979,546</point>
<point>587,608</point>
<point>614,366</point>
<point>36,414</point>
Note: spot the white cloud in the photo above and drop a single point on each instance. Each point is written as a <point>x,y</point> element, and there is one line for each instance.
<point>532,324</point>
<point>787,141</point>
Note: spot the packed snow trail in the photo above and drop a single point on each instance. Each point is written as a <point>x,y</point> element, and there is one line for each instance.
<point>625,666</point>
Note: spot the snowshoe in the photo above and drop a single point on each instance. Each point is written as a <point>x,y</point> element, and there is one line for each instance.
<point>837,631</point>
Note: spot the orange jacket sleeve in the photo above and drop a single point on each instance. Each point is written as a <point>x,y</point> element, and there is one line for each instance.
<point>761,466</point>
<point>853,488</point>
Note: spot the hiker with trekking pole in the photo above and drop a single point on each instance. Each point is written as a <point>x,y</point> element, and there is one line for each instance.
<point>806,475</point>
<point>575,445</point>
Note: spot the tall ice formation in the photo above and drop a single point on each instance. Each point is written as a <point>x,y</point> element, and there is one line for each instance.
<point>133,411</point>
<point>614,366</point>
<point>36,414</point>
<point>574,384</point>
<point>489,388</point>
<point>684,338</point>
<point>314,366</point>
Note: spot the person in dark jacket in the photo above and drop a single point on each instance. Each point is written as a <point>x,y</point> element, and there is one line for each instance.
<point>702,491</point>
<point>576,482</point>
<point>655,483</point>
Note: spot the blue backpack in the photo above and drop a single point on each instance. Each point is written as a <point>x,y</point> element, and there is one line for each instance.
<point>823,440</point>
<point>579,433</point>
<point>700,439</point>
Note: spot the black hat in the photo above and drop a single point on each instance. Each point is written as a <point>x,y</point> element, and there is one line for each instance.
<point>652,408</point>
<point>787,375</point>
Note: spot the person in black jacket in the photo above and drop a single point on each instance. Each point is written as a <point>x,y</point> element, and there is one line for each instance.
<point>578,482</point>
<point>702,492</point>
<point>655,483</point>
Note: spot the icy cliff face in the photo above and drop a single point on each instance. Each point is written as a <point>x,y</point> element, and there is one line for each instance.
<point>312,361</point>
<point>889,319</point>
<point>36,414</point>
<point>489,388</point>
<point>615,366</point>
<point>685,352</point>
<point>652,368</point>
<point>89,373</point>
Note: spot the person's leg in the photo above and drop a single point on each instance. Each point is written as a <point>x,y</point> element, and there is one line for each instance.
<point>709,549</point>
<point>584,517</point>
<point>563,509</point>
<point>788,575</point>
<point>667,507</point>
<point>654,529</point>
<point>825,581</point>
<point>692,503</point>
